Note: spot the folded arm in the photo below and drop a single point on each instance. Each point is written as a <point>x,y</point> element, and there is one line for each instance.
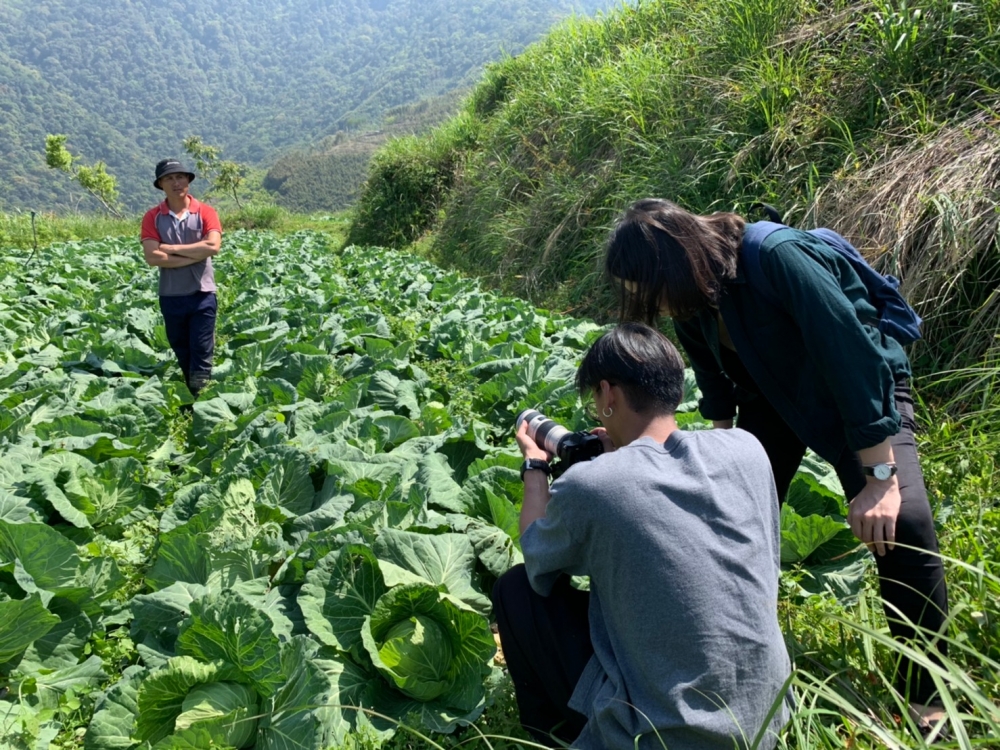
<point>177,256</point>
<point>155,256</point>
<point>198,251</point>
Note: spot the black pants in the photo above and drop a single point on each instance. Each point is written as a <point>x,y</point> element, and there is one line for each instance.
<point>546,643</point>
<point>911,576</point>
<point>190,324</point>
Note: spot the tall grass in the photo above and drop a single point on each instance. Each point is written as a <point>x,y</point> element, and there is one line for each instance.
<point>414,175</point>
<point>845,112</point>
<point>16,230</point>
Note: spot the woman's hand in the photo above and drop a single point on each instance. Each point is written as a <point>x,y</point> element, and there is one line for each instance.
<point>605,439</point>
<point>529,448</point>
<point>872,515</point>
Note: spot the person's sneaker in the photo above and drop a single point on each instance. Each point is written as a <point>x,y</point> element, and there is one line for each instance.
<point>197,384</point>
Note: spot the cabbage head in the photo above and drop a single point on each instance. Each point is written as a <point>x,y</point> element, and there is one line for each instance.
<point>417,654</point>
<point>429,648</point>
<point>228,709</point>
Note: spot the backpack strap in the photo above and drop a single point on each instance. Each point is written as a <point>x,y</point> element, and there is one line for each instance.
<point>895,317</point>
<point>771,211</point>
<point>753,237</point>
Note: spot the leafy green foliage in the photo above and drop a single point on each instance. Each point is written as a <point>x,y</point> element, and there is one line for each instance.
<point>23,622</point>
<point>309,549</point>
<point>94,179</point>
<point>323,490</point>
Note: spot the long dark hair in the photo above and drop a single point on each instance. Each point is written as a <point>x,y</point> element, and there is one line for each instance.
<point>675,259</point>
<point>642,361</point>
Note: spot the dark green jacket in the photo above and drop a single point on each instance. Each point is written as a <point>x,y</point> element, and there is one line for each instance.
<point>818,357</point>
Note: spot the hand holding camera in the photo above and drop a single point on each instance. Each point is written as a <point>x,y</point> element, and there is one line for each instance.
<point>540,437</point>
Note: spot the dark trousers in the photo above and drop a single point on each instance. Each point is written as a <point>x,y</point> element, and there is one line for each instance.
<point>911,576</point>
<point>546,644</point>
<point>190,324</point>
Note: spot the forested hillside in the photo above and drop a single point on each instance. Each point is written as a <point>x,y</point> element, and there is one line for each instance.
<point>127,80</point>
<point>327,175</point>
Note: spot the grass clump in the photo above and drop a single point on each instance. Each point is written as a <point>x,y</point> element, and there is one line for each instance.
<point>255,216</point>
<point>406,183</point>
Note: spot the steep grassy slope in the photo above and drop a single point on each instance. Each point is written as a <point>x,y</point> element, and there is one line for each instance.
<point>874,116</point>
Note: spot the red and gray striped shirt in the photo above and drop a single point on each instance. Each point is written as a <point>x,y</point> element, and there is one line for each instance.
<point>193,225</point>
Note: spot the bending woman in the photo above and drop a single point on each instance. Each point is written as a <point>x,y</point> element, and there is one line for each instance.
<point>811,371</point>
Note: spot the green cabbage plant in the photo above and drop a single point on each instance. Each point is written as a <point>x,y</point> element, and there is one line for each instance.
<point>187,697</point>
<point>428,647</point>
<point>416,655</point>
<point>431,650</point>
<point>227,709</point>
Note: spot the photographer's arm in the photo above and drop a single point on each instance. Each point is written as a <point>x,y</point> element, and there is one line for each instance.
<point>536,482</point>
<point>536,497</point>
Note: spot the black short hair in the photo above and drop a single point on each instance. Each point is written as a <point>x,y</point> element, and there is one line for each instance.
<point>642,361</point>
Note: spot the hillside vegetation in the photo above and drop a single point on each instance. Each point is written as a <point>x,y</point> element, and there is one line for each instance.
<point>876,117</point>
<point>328,175</point>
<point>128,83</point>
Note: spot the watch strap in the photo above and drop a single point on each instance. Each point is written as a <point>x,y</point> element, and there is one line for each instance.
<point>535,464</point>
<point>876,469</point>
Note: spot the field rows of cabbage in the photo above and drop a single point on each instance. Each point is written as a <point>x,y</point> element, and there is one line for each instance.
<point>318,533</point>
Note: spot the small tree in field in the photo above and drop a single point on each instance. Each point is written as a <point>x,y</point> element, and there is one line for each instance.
<point>224,176</point>
<point>94,179</point>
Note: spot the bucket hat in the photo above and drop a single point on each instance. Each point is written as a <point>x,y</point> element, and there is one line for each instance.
<point>170,166</point>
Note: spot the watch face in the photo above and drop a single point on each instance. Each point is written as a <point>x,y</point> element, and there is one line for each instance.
<point>882,471</point>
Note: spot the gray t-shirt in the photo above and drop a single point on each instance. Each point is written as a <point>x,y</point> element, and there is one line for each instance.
<point>681,544</point>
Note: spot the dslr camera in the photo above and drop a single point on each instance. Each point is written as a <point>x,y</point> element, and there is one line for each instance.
<point>568,447</point>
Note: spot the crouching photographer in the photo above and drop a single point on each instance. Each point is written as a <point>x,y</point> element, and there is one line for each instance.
<point>677,643</point>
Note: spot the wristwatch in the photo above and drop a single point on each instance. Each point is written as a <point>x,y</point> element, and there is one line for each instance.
<point>538,464</point>
<point>880,471</point>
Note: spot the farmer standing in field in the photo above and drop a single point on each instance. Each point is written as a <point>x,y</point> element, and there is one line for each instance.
<point>180,236</point>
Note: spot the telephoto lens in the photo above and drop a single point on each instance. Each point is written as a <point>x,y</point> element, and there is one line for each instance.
<point>569,447</point>
<point>545,432</point>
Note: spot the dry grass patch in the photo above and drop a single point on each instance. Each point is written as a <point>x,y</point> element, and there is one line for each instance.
<point>928,212</point>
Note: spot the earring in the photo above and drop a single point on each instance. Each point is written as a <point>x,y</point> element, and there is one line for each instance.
<point>608,411</point>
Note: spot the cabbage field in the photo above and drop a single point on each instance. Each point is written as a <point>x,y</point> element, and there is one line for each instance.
<point>303,557</point>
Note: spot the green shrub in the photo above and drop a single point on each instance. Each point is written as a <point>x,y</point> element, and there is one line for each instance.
<point>406,182</point>
<point>255,216</point>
